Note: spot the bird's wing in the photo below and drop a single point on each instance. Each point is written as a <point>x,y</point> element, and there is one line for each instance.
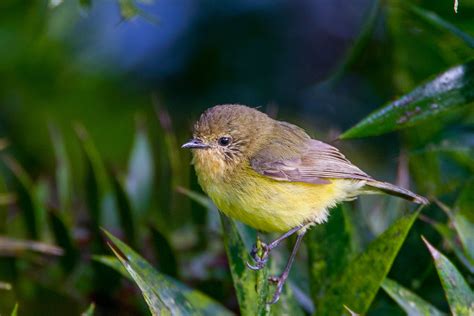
<point>315,164</point>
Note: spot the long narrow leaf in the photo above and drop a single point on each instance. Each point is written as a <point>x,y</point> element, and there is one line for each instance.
<point>141,170</point>
<point>126,218</point>
<point>199,300</point>
<point>446,92</point>
<point>63,170</point>
<point>89,311</point>
<point>438,21</point>
<point>460,296</point>
<point>411,303</point>
<point>329,250</point>
<point>161,294</point>
<point>64,239</point>
<point>361,279</point>
<point>34,213</point>
<point>98,184</point>
<point>251,286</point>
<point>463,218</point>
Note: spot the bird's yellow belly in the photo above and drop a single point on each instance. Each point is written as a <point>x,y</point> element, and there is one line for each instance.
<point>277,206</point>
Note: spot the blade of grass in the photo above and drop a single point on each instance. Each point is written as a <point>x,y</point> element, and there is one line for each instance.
<point>446,92</point>
<point>450,237</point>
<point>97,182</point>
<point>329,250</point>
<point>64,239</point>
<point>199,300</point>
<point>437,21</point>
<point>15,310</point>
<point>34,213</point>
<point>90,310</point>
<point>411,303</point>
<point>63,170</point>
<point>161,294</point>
<point>460,297</point>
<point>250,286</point>
<point>141,170</point>
<point>165,255</point>
<point>360,280</point>
<point>126,218</point>
<point>463,218</point>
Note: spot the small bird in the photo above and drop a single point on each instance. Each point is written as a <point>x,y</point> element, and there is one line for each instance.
<point>272,176</point>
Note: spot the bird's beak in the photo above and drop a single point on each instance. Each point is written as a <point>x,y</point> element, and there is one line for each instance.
<point>195,143</point>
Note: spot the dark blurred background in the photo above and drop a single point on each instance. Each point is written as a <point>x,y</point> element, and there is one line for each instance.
<point>323,64</point>
<point>88,64</point>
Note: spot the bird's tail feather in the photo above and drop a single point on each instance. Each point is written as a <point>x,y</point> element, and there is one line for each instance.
<point>377,187</point>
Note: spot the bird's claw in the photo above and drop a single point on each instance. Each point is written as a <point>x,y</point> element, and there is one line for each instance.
<point>260,256</point>
<point>258,266</point>
<point>279,281</point>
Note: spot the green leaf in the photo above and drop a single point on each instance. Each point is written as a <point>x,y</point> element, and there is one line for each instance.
<point>141,170</point>
<point>114,263</point>
<point>329,250</point>
<point>198,198</point>
<point>463,220</point>
<point>446,92</point>
<point>90,310</point>
<point>361,278</point>
<point>164,253</point>
<point>161,294</point>
<point>63,170</point>
<point>460,296</point>
<point>6,199</point>
<point>437,21</point>
<point>64,239</point>
<point>251,287</point>
<point>411,303</point>
<point>97,182</point>
<point>450,237</point>
<point>34,213</point>
<point>127,220</point>
<point>199,300</point>
<point>15,310</point>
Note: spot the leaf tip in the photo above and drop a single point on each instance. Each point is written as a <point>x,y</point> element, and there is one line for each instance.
<point>434,252</point>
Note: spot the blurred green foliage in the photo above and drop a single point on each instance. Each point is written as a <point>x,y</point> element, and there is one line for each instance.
<point>88,142</point>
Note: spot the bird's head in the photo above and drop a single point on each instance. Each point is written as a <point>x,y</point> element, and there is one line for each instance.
<point>226,135</point>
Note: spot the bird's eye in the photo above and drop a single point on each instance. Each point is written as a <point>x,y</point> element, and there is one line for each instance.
<point>224,141</point>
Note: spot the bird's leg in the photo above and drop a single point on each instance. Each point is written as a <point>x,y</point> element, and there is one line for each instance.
<point>260,251</point>
<point>280,281</point>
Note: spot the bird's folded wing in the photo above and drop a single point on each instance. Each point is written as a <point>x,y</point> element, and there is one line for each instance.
<point>315,164</point>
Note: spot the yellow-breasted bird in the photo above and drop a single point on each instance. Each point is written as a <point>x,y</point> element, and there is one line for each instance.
<point>272,176</point>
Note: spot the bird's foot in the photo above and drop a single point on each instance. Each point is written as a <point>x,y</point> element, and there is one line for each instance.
<point>279,282</point>
<point>259,253</point>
